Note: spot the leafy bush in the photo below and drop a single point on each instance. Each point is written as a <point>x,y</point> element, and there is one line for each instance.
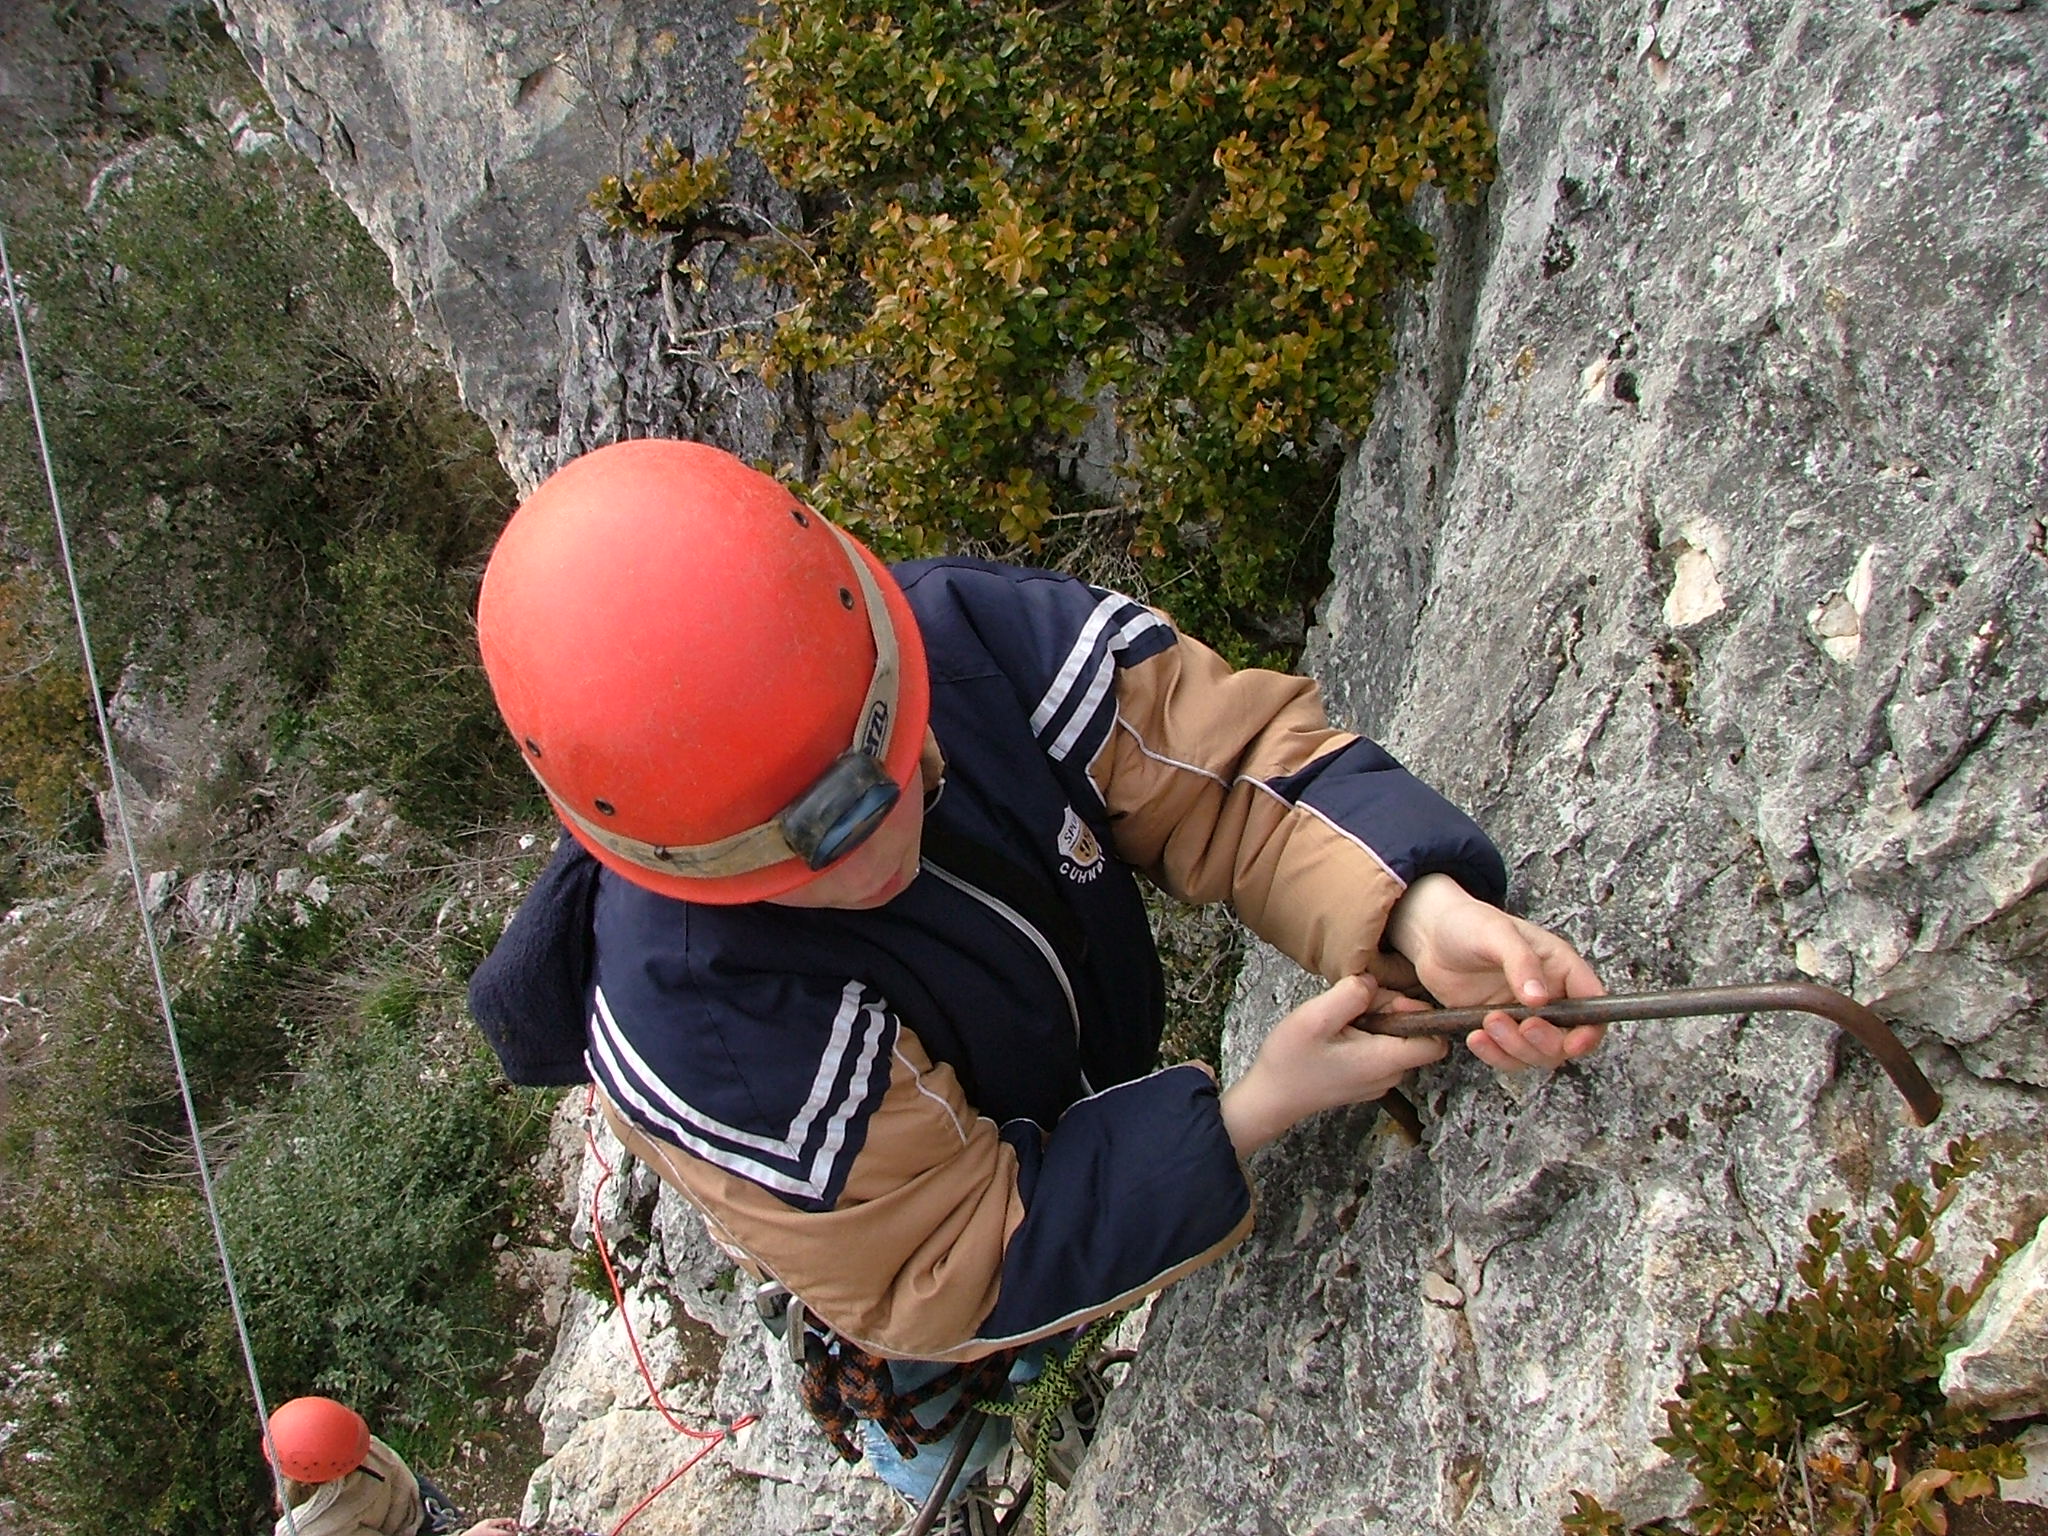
<point>1186,212</point>
<point>99,1043</point>
<point>361,1211</point>
<point>1784,1426</point>
<point>243,1006</point>
<point>248,439</point>
<point>48,761</point>
<point>132,1420</point>
<point>359,1203</point>
<point>199,384</point>
<point>133,1416</point>
<point>407,707</point>
<point>251,1000</point>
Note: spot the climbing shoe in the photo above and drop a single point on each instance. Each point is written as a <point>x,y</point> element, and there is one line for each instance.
<point>1064,1435</point>
<point>971,1511</point>
<point>441,1513</point>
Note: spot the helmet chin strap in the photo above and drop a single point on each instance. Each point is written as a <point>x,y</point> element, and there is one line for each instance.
<point>758,847</point>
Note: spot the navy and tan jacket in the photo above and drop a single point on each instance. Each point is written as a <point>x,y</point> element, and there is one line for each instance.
<point>937,1122</point>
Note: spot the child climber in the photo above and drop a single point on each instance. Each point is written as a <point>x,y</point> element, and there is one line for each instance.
<point>848,928</point>
<point>338,1479</point>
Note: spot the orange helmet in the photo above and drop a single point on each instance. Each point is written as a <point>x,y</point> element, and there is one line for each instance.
<point>720,692</point>
<point>317,1439</point>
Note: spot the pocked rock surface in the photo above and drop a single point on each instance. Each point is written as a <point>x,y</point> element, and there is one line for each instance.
<point>1734,643</point>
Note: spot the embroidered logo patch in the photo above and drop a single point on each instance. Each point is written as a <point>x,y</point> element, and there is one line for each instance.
<point>1080,853</point>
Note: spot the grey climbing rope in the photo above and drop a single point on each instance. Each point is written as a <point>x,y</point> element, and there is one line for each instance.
<point>156,964</point>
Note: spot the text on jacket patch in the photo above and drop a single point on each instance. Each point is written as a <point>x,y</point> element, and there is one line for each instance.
<point>1080,853</point>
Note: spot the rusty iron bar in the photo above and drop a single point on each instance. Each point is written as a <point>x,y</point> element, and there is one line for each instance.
<point>1696,1002</point>
<point>935,1502</point>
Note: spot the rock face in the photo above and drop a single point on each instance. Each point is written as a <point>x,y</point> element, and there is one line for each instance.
<point>468,137</point>
<point>1700,547</point>
<point>691,1314</point>
<point>1998,1367</point>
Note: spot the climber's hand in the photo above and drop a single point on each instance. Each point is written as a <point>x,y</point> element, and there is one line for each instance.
<point>1469,953</point>
<point>498,1527</point>
<point>1314,1060</point>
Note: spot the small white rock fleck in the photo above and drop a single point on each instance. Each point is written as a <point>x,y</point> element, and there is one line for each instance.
<point>1695,588</point>
<point>1837,620</point>
<point>330,838</point>
<point>1439,1292</point>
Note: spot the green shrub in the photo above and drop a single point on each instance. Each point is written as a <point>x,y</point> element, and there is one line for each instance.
<point>49,757</point>
<point>96,1101</point>
<point>195,367</point>
<point>1188,212</point>
<point>1859,1351</point>
<point>360,1212</point>
<point>243,1005</point>
<point>359,1208</point>
<point>366,1157</point>
<point>407,708</point>
<point>251,999</point>
<point>133,1420</point>
<point>249,441</point>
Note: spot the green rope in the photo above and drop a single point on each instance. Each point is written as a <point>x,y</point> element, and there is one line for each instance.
<point>1042,1400</point>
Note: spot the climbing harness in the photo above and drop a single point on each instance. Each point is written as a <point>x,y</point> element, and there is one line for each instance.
<point>842,1384</point>
<point>1067,1378</point>
<point>149,938</point>
<point>1922,1100</point>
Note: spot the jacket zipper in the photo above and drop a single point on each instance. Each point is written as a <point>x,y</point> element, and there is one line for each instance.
<point>1017,920</point>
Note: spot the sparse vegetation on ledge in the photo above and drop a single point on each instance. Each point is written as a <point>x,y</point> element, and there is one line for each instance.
<point>1185,213</point>
<point>1823,1415</point>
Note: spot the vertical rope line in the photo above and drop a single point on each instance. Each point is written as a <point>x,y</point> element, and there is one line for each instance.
<point>156,964</point>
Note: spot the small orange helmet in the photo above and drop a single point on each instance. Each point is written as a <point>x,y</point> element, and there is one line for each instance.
<point>317,1439</point>
<point>720,692</point>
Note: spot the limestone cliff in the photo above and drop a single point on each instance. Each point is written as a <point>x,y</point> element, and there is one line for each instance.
<point>467,137</point>
<point>1699,548</point>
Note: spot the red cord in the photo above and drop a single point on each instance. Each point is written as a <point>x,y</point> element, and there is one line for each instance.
<point>604,1257</point>
<point>676,1476</point>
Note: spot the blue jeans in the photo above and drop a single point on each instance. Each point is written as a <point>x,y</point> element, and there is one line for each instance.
<point>913,1476</point>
